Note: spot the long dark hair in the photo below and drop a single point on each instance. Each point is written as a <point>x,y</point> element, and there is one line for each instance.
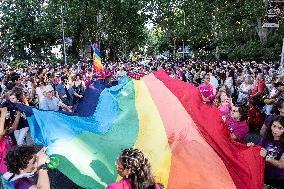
<point>268,132</point>
<point>243,110</point>
<point>278,105</point>
<point>140,176</point>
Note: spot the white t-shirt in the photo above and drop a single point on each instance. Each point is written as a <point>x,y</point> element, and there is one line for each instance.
<point>229,83</point>
<point>39,93</point>
<point>49,104</point>
<point>244,87</point>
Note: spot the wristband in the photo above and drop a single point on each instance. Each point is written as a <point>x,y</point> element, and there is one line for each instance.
<point>42,167</point>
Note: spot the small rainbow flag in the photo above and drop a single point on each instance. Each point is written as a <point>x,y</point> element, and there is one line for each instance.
<point>97,62</point>
<point>186,141</point>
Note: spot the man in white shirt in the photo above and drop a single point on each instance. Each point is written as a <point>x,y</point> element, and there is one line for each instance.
<point>50,102</point>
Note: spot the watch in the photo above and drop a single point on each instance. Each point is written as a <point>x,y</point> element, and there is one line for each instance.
<point>42,167</point>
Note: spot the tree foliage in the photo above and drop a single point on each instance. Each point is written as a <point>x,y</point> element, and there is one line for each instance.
<point>222,28</point>
<point>229,29</point>
<point>29,27</point>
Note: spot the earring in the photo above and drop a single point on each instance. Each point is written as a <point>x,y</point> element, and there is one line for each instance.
<point>126,176</point>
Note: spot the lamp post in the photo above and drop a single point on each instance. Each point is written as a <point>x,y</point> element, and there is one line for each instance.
<point>182,37</point>
<point>282,54</point>
<point>63,37</point>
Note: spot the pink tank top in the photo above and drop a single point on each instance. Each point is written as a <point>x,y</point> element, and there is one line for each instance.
<point>123,184</point>
<point>6,144</point>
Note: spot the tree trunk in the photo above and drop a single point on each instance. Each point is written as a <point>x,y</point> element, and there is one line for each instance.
<point>80,28</point>
<point>262,32</point>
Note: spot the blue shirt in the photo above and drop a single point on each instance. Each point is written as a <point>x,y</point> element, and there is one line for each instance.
<point>60,88</point>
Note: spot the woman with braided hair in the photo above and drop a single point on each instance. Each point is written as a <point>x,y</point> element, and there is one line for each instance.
<point>134,168</point>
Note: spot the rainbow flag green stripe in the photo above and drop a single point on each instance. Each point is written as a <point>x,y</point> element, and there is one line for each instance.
<point>89,159</point>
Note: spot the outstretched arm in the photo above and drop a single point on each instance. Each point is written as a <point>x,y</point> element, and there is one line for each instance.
<point>16,122</point>
<point>43,179</point>
<point>2,120</point>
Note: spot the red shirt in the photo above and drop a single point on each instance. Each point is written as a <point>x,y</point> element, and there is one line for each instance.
<point>168,72</point>
<point>180,75</point>
<point>107,72</point>
<point>129,74</point>
<point>87,81</point>
<point>113,72</point>
<point>142,74</point>
<point>137,76</point>
<point>255,118</point>
<point>259,87</point>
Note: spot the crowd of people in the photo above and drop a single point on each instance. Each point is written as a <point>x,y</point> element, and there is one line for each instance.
<point>249,96</point>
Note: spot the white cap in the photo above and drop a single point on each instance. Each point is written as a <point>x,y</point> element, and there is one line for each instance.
<point>48,88</point>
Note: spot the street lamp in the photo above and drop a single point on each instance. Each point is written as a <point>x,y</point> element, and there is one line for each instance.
<point>282,54</point>
<point>182,36</point>
<point>63,37</point>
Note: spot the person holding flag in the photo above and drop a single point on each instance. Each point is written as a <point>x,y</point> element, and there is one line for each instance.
<point>97,62</point>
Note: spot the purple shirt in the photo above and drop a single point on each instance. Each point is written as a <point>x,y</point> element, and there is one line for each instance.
<point>269,119</point>
<point>19,183</point>
<point>24,183</point>
<point>275,151</point>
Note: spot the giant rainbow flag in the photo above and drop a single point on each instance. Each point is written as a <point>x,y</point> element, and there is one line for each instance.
<point>186,141</point>
<point>97,62</point>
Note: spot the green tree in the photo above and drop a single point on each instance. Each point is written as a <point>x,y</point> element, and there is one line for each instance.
<point>25,30</point>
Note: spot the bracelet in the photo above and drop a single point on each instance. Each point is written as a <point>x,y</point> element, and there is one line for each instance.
<point>42,167</point>
<point>42,171</point>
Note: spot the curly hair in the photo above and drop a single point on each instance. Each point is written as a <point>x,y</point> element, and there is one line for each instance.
<point>140,176</point>
<point>18,158</point>
<point>268,133</point>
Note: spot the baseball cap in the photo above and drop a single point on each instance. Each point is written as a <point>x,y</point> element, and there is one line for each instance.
<point>48,88</point>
